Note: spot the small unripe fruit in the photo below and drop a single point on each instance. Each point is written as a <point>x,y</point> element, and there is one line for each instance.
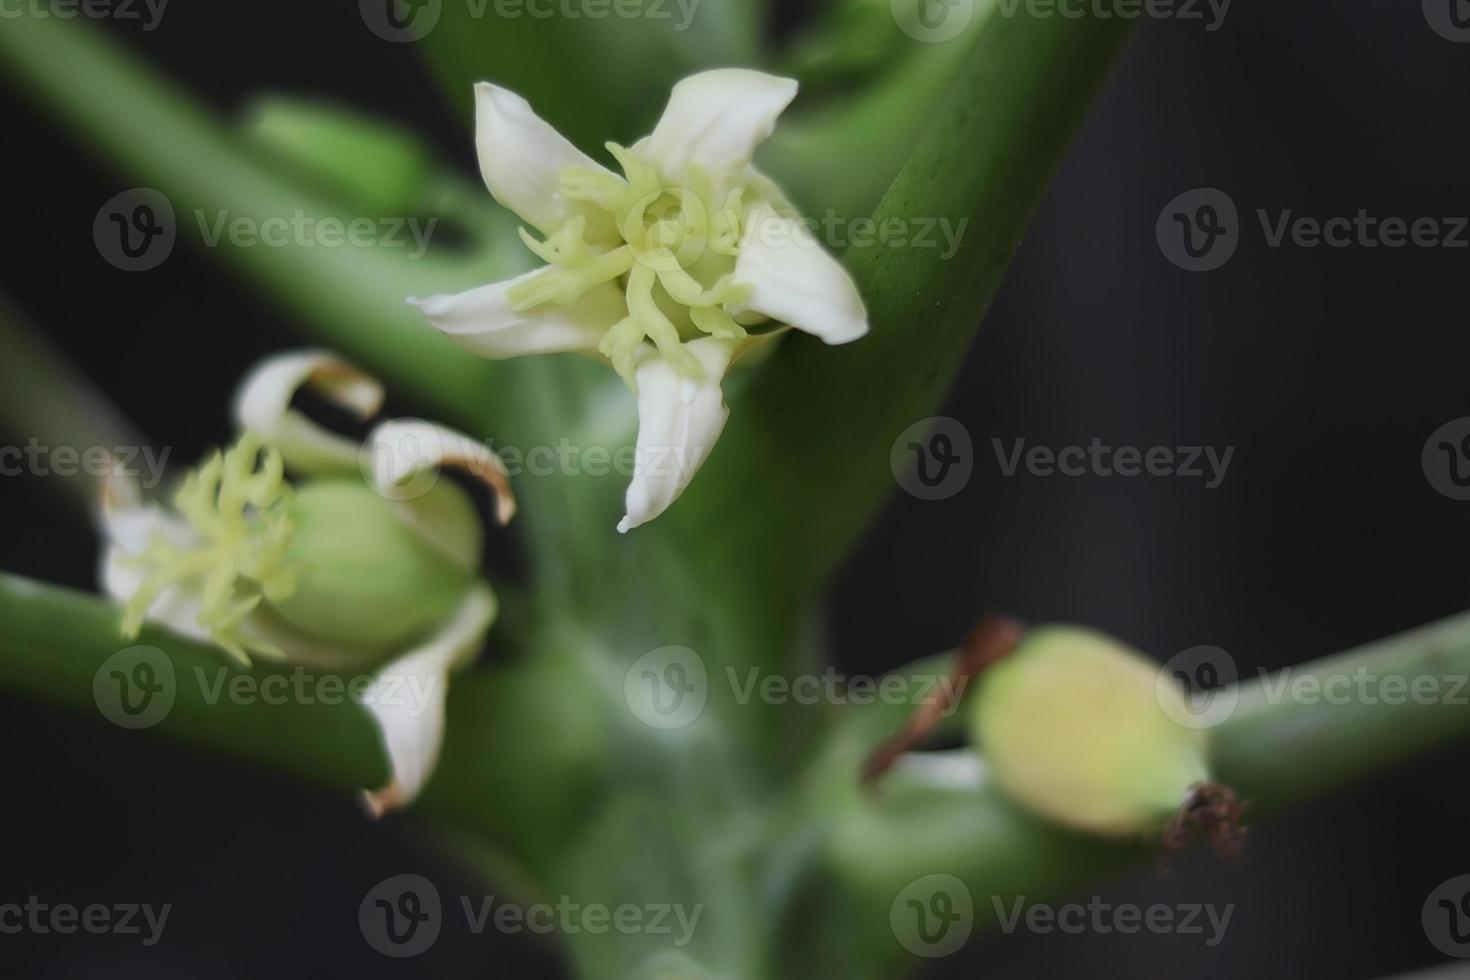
<point>366,578</point>
<point>1078,728</point>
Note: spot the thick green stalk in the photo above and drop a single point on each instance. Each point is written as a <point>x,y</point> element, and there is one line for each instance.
<point>804,461</point>
<point>874,121</point>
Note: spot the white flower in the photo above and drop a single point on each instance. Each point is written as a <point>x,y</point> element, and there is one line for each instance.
<point>337,572</point>
<point>671,271</point>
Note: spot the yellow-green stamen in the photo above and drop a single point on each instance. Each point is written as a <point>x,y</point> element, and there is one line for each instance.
<point>234,505</point>
<point>672,254</point>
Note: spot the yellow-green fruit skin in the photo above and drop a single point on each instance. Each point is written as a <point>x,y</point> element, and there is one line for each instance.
<point>1072,725</point>
<point>367,580</point>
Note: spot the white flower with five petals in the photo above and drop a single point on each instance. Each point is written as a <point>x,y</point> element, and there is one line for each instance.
<point>671,272</point>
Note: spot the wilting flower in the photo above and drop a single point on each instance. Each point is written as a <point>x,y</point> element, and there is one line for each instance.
<point>672,271</point>
<point>334,572</point>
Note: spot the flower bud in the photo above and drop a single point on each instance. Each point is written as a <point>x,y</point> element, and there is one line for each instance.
<point>1078,728</point>
<point>367,578</point>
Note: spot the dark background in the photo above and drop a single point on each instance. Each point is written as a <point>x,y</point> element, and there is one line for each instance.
<point>1326,368</point>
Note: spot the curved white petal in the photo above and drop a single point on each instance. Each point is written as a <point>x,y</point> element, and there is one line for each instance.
<point>679,420</point>
<point>794,280</point>
<point>406,448</point>
<point>716,119</point>
<point>482,321</point>
<point>407,455</point>
<point>263,406</point>
<point>406,699</point>
<point>522,157</point>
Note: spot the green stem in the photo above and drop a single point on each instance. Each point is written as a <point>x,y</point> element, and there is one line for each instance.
<point>55,642</point>
<point>811,152</point>
<point>1287,743</point>
<point>44,398</point>
<point>351,297</point>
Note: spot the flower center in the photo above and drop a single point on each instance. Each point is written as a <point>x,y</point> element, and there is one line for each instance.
<point>671,249</point>
<point>234,504</point>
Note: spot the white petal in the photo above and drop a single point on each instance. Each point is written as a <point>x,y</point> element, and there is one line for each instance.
<point>522,157</point>
<point>263,406</point>
<point>716,119</point>
<point>407,698</point>
<point>482,322</point>
<point>176,608</point>
<point>796,281</point>
<point>407,455</point>
<point>679,420</point>
<point>128,527</point>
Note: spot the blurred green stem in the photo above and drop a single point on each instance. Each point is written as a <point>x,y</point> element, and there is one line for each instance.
<point>351,297</point>
<point>45,399</point>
